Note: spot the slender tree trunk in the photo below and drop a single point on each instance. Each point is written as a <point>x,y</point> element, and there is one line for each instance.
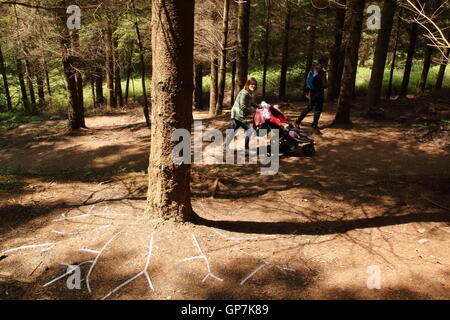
<point>94,99</point>
<point>266,48</point>
<point>129,70</point>
<point>394,55</point>
<point>29,78</point>
<point>434,5</point>
<point>214,84</point>
<point>41,89</point>
<point>223,58</point>
<point>243,41</point>
<point>310,49</point>
<point>5,82</point>
<point>352,38</point>
<point>23,71</point>
<point>336,60</point>
<point>100,99</point>
<point>409,59</point>
<point>441,74</point>
<point>110,64</point>
<point>141,56</point>
<point>47,77</point>
<point>117,74</point>
<point>77,69</point>
<point>285,52</point>
<point>118,86</point>
<point>233,82</point>
<point>381,51</point>
<point>73,81</point>
<point>198,85</point>
<point>23,88</point>
<point>169,194</point>
<point>425,70</point>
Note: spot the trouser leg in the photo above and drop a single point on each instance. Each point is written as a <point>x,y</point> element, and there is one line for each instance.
<point>318,112</point>
<point>230,135</point>
<point>235,126</point>
<point>307,110</point>
<point>248,133</point>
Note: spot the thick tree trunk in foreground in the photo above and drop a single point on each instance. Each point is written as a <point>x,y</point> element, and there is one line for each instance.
<point>336,59</point>
<point>169,195</point>
<point>5,82</point>
<point>285,52</point>
<point>223,59</point>
<point>408,65</point>
<point>381,50</point>
<point>243,40</point>
<point>352,38</point>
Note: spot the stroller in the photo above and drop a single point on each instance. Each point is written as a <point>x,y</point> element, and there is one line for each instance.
<point>291,139</point>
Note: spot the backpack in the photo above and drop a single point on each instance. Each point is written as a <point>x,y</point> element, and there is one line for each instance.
<point>313,81</point>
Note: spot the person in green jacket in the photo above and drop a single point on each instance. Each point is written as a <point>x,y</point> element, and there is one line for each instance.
<point>241,109</point>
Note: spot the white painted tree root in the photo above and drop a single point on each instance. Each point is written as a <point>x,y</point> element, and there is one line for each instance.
<point>62,233</point>
<point>145,272</point>
<point>202,256</point>
<point>96,259</point>
<point>51,244</point>
<point>70,269</point>
<point>89,214</point>
<point>261,266</point>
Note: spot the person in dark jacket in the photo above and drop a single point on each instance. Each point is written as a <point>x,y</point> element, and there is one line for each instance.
<point>316,85</point>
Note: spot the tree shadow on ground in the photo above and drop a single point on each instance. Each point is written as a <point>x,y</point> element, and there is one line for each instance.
<point>322,227</point>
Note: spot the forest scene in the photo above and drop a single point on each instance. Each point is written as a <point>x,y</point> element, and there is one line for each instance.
<point>224,150</point>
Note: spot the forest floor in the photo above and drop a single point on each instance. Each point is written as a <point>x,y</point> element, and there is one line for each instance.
<point>373,201</point>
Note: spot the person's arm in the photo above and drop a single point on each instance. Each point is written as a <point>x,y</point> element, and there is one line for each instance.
<point>244,102</point>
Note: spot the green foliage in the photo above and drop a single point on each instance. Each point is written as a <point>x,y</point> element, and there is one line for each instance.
<point>11,120</point>
<point>296,75</point>
<point>363,79</point>
<point>11,185</point>
<point>11,170</point>
<point>434,126</point>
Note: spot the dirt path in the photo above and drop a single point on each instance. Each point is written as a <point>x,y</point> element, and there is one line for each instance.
<point>372,200</point>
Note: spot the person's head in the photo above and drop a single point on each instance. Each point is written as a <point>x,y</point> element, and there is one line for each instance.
<point>323,62</point>
<point>251,85</point>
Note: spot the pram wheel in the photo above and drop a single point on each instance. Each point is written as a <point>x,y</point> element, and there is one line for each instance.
<point>308,150</point>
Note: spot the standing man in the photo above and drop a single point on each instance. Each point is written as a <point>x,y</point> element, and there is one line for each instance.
<point>316,83</point>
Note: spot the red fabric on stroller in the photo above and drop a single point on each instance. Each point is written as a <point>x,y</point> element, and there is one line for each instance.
<point>276,117</point>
